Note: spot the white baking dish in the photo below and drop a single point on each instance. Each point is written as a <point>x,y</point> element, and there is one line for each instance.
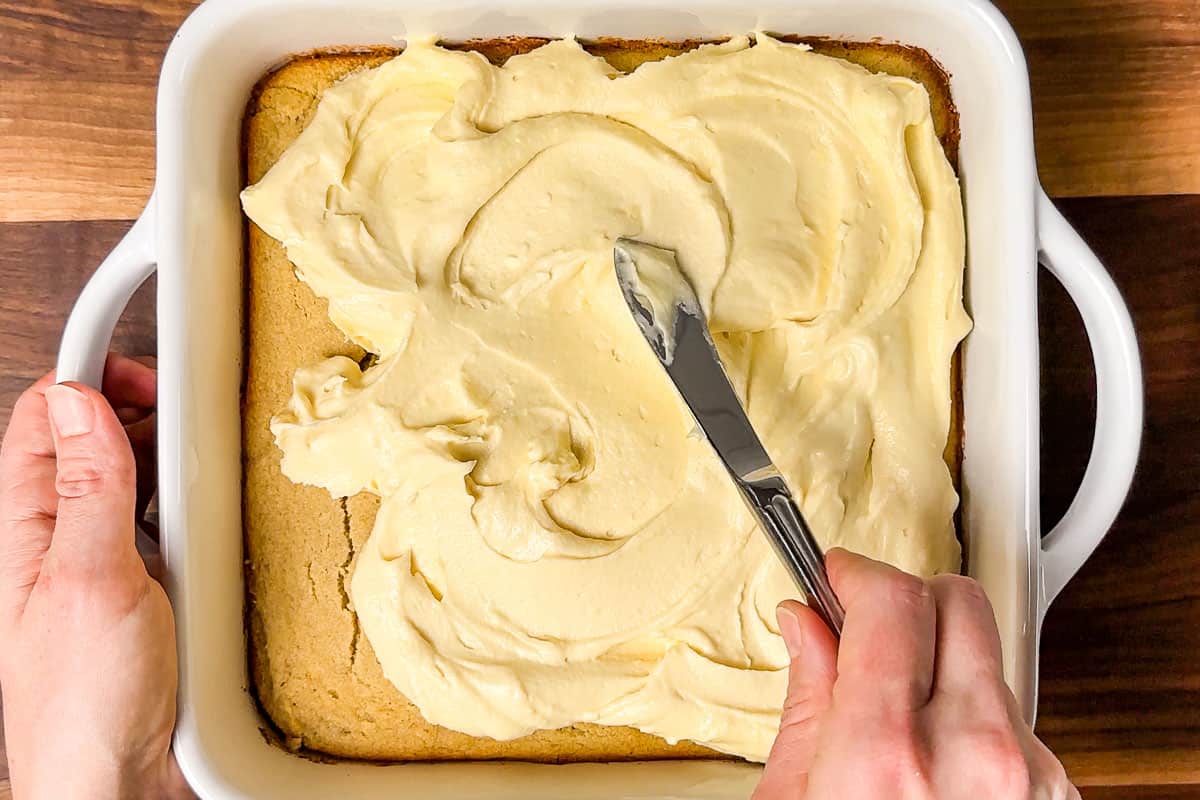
<point>191,231</point>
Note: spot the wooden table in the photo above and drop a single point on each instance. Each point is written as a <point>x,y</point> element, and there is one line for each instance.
<point>1116,87</point>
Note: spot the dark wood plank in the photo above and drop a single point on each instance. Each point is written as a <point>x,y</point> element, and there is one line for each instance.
<point>1116,93</point>
<point>43,266</point>
<point>1116,87</point>
<point>1179,791</point>
<point>1121,645</point>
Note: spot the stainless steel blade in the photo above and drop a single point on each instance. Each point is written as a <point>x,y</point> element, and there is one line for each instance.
<point>670,318</point>
<point>685,349</point>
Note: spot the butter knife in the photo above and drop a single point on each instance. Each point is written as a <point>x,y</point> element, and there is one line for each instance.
<point>670,318</point>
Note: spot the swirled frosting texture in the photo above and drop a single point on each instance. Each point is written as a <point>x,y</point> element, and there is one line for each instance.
<point>554,543</point>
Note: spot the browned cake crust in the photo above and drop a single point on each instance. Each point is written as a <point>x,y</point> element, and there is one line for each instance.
<point>314,675</point>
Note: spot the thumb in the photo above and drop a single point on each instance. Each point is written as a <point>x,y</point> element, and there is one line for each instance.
<point>811,673</point>
<point>96,481</point>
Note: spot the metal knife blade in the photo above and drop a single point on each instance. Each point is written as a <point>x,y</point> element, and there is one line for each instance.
<point>670,317</point>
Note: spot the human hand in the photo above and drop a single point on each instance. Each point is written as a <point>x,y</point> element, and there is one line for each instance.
<point>910,704</point>
<point>88,666</point>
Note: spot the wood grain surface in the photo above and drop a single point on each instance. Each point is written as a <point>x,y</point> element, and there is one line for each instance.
<point>1116,87</point>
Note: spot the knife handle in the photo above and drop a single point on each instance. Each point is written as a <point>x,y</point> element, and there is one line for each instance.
<point>770,499</point>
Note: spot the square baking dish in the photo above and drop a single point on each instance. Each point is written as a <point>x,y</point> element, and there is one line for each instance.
<point>192,233</point>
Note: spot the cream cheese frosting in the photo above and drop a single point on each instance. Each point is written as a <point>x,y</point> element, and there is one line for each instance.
<point>555,544</point>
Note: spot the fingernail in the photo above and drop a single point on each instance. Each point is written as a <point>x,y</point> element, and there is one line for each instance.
<point>70,410</point>
<point>789,628</point>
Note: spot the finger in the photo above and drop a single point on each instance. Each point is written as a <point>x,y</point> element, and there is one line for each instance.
<point>96,481</point>
<point>968,659</point>
<point>812,671</point>
<point>142,439</point>
<point>129,383</point>
<point>984,736</point>
<point>175,784</point>
<point>130,386</point>
<point>1045,773</point>
<point>886,653</point>
<point>28,500</point>
<point>132,416</point>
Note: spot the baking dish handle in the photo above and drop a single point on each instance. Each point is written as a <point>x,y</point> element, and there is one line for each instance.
<point>89,328</point>
<point>1118,399</point>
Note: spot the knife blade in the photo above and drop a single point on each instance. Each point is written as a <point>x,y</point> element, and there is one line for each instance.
<point>672,321</point>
